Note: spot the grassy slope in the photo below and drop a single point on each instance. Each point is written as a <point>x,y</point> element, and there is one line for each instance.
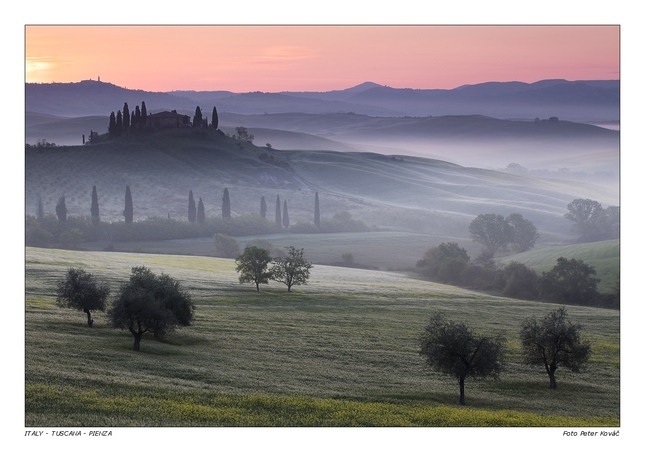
<point>393,250</point>
<point>351,335</point>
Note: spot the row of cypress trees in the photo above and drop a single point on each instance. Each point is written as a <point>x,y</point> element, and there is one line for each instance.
<point>196,212</point>
<point>61,208</point>
<point>124,122</point>
<point>200,121</point>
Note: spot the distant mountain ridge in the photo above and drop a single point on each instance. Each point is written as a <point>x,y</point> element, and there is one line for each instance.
<point>581,101</point>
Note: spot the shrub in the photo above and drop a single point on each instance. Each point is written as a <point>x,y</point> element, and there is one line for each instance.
<point>226,246</point>
<point>519,281</point>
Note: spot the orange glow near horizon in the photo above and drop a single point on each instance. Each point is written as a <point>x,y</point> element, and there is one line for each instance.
<point>317,58</point>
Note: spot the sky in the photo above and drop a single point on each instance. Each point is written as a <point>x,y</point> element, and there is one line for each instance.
<point>273,58</point>
<point>430,61</point>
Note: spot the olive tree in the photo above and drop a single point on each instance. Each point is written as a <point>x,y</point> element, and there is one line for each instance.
<point>80,290</point>
<point>553,342</point>
<point>291,270</point>
<point>453,349</point>
<point>150,303</point>
<point>252,266</point>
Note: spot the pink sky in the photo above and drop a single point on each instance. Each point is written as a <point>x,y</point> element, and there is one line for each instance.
<point>317,58</point>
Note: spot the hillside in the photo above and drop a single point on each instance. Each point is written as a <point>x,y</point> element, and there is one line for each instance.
<point>468,140</point>
<point>582,101</point>
<point>388,192</point>
<point>545,147</point>
<point>544,127</point>
<point>351,334</point>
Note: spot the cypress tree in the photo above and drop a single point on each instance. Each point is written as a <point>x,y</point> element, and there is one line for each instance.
<point>263,208</point>
<point>40,213</point>
<point>215,122</point>
<point>119,123</point>
<point>61,209</point>
<point>226,205</point>
<point>94,210</point>
<point>201,214</point>
<point>144,114</point>
<point>278,214</point>
<point>136,119</point>
<point>285,216</point>
<point>126,117</point>
<point>128,212</point>
<point>112,126</point>
<point>192,211</point>
<point>317,211</point>
<point>197,119</point>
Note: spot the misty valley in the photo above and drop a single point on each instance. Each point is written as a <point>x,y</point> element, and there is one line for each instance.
<point>480,209</point>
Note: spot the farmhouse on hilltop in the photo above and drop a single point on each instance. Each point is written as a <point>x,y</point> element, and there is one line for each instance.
<point>166,119</point>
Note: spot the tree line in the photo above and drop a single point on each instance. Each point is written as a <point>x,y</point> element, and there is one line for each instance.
<point>196,212</point>
<point>43,229</point>
<point>570,281</point>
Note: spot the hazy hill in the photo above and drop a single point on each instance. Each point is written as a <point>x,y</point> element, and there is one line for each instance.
<point>471,140</point>
<point>562,148</point>
<point>62,130</point>
<point>464,125</point>
<point>581,101</point>
<point>393,192</point>
<point>90,98</point>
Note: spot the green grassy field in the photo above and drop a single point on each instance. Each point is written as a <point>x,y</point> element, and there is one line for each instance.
<point>340,351</point>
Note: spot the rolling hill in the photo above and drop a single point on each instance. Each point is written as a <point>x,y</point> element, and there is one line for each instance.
<point>387,192</point>
<point>542,126</point>
<point>475,141</point>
